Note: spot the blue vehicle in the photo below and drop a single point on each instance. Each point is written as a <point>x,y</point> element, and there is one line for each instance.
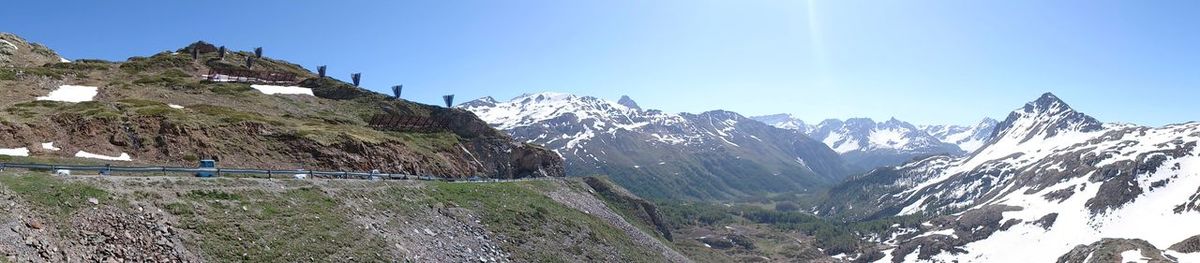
<point>208,168</point>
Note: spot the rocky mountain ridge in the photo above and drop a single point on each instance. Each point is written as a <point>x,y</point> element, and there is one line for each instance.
<point>867,144</point>
<point>1048,172</point>
<point>715,154</point>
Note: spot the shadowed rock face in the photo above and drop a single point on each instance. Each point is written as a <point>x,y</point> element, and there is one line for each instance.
<point>628,102</point>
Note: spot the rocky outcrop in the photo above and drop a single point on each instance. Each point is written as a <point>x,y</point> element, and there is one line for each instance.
<point>1110,249</point>
<point>16,52</point>
<point>1189,245</point>
<point>958,230</point>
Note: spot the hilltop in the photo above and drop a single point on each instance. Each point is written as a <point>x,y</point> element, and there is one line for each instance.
<point>166,109</point>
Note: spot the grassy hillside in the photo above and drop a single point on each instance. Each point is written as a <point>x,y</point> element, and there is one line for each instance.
<point>255,220</point>
<point>161,110</point>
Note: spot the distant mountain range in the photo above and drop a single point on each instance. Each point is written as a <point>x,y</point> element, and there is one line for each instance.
<point>1050,182</point>
<point>867,144</point>
<point>715,154</point>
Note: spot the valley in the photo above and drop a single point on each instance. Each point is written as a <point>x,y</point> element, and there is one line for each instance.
<point>599,180</point>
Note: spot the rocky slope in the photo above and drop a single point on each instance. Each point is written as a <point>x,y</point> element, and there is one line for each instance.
<point>716,154</point>
<point>1075,186</point>
<point>866,143</point>
<point>16,52</point>
<point>47,218</point>
<point>161,110</point>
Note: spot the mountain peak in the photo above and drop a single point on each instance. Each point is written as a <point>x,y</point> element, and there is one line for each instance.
<point>1045,117</point>
<point>628,102</point>
<point>1048,100</point>
<point>486,101</point>
<point>784,121</point>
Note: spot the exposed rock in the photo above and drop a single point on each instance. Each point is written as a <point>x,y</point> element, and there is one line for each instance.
<point>17,52</point>
<point>1110,249</point>
<point>1189,245</point>
<point>1046,221</point>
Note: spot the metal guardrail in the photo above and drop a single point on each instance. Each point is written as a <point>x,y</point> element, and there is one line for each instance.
<point>105,170</point>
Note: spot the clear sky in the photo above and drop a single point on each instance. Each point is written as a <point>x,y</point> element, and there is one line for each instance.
<point>923,61</point>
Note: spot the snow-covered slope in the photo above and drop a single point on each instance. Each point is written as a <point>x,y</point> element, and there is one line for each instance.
<point>785,121</point>
<point>1050,181</point>
<point>712,154</point>
<point>868,144</point>
<point>968,138</point>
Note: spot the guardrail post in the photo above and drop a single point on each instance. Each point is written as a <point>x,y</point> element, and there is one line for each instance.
<point>269,175</point>
<point>105,170</point>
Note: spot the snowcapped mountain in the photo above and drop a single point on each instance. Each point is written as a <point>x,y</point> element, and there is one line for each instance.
<point>715,154</point>
<point>785,121</point>
<point>1051,183</point>
<point>865,143</point>
<point>967,138</point>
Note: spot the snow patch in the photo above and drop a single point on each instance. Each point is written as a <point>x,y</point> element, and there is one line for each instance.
<point>71,93</point>
<point>14,46</point>
<point>50,146</point>
<point>23,151</point>
<point>123,157</point>
<point>272,89</point>
<point>1133,256</point>
<point>173,106</point>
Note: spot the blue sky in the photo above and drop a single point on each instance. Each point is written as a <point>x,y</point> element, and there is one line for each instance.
<point>922,61</point>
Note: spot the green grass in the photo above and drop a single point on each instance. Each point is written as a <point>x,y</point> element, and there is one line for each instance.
<point>229,88</point>
<point>538,222</point>
<point>628,207</point>
<point>229,115</point>
<point>14,73</point>
<point>53,195</point>
<point>83,65</point>
<point>92,110</point>
<point>295,225</point>
<point>158,61</point>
